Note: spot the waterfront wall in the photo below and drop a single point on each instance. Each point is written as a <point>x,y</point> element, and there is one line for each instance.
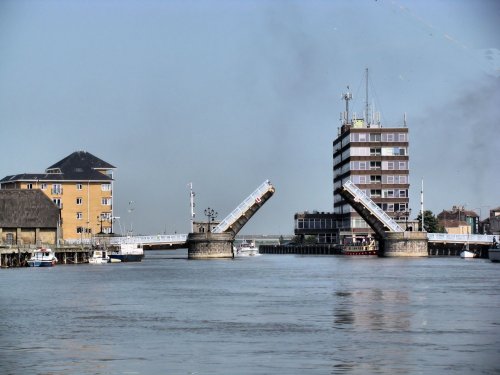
<point>317,249</point>
<point>405,244</point>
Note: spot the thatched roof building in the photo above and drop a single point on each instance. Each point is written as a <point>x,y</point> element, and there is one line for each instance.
<point>27,209</point>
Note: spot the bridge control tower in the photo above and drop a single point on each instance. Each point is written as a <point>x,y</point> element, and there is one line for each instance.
<point>218,243</point>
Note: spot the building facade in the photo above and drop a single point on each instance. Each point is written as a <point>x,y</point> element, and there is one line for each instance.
<point>376,159</point>
<point>458,220</point>
<point>27,217</point>
<point>81,185</point>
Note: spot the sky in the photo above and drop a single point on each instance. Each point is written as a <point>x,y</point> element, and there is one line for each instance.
<point>227,94</point>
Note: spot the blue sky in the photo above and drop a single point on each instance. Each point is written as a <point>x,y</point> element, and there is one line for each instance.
<point>226,94</point>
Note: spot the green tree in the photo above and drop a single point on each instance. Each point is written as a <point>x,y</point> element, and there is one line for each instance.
<point>310,240</point>
<point>431,223</point>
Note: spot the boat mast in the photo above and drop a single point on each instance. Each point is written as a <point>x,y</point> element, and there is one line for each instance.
<point>191,199</point>
<point>422,204</point>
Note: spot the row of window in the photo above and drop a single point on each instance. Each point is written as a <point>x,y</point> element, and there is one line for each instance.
<point>379,137</point>
<point>83,230</point>
<point>378,151</point>
<point>79,201</point>
<point>399,208</point>
<point>57,189</point>
<point>380,179</point>
<point>315,224</point>
<point>105,216</point>
<point>378,165</point>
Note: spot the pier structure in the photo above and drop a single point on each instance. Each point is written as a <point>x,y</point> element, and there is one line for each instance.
<point>396,242</point>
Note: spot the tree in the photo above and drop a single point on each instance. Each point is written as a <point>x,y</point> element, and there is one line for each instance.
<point>431,223</point>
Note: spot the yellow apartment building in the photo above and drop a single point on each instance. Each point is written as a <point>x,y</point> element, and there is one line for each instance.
<point>81,185</point>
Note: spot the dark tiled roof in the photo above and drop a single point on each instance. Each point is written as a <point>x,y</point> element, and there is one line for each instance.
<point>27,209</point>
<point>79,166</point>
<point>81,159</point>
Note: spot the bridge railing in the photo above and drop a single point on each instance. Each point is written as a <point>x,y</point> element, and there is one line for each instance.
<point>462,238</point>
<point>372,206</point>
<point>151,240</point>
<point>243,207</point>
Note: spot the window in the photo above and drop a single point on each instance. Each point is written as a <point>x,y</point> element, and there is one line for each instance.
<point>375,137</point>
<point>79,230</point>
<point>57,202</point>
<point>57,189</point>
<point>375,179</point>
<point>43,186</point>
<point>29,186</point>
<point>375,192</point>
<point>106,201</point>
<point>106,187</point>
<point>79,216</point>
<point>375,151</point>
<point>389,194</point>
<point>79,201</point>
<point>79,186</point>
<point>374,165</point>
<point>390,165</point>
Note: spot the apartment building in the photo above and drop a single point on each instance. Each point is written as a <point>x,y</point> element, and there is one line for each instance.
<point>376,159</point>
<point>81,185</point>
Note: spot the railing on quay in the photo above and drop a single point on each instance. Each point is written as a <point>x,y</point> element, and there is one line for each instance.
<point>150,240</point>
<point>460,238</point>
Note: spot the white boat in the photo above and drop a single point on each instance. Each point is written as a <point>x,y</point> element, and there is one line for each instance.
<point>127,252</point>
<point>42,257</point>
<point>468,254</point>
<point>98,257</point>
<point>247,249</point>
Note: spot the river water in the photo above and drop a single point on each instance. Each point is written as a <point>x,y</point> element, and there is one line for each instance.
<point>273,314</point>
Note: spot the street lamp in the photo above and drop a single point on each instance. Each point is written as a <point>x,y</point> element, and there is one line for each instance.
<point>211,215</point>
<point>99,218</point>
<point>407,215</point>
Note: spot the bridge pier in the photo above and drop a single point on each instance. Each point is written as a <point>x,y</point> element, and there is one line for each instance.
<point>210,245</point>
<point>405,244</point>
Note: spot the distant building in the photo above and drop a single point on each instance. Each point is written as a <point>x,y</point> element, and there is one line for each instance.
<point>321,225</point>
<point>28,217</point>
<point>458,220</point>
<point>81,185</point>
<point>491,225</point>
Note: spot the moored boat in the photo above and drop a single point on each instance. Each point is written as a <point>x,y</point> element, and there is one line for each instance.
<point>353,247</point>
<point>127,252</point>
<point>494,253</point>
<point>468,254</point>
<point>98,257</point>
<point>43,257</point>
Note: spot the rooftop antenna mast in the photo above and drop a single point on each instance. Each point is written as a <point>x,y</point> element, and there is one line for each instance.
<point>347,96</point>
<point>367,106</point>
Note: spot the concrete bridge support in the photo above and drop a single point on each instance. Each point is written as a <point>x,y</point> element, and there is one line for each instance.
<point>210,245</point>
<point>405,244</point>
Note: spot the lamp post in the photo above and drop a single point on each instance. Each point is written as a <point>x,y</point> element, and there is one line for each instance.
<point>100,219</point>
<point>407,215</point>
<point>211,215</point>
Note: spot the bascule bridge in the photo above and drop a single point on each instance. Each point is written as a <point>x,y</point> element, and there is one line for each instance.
<point>215,243</point>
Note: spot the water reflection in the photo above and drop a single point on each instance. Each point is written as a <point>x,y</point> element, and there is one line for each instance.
<point>372,309</point>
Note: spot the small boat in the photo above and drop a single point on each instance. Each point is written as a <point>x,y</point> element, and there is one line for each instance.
<point>127,252</point>
<point>468,254</point>
<point>494,253</point>
<point>247,249</point>
<point>98,257</point>
<point>42,257</point>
